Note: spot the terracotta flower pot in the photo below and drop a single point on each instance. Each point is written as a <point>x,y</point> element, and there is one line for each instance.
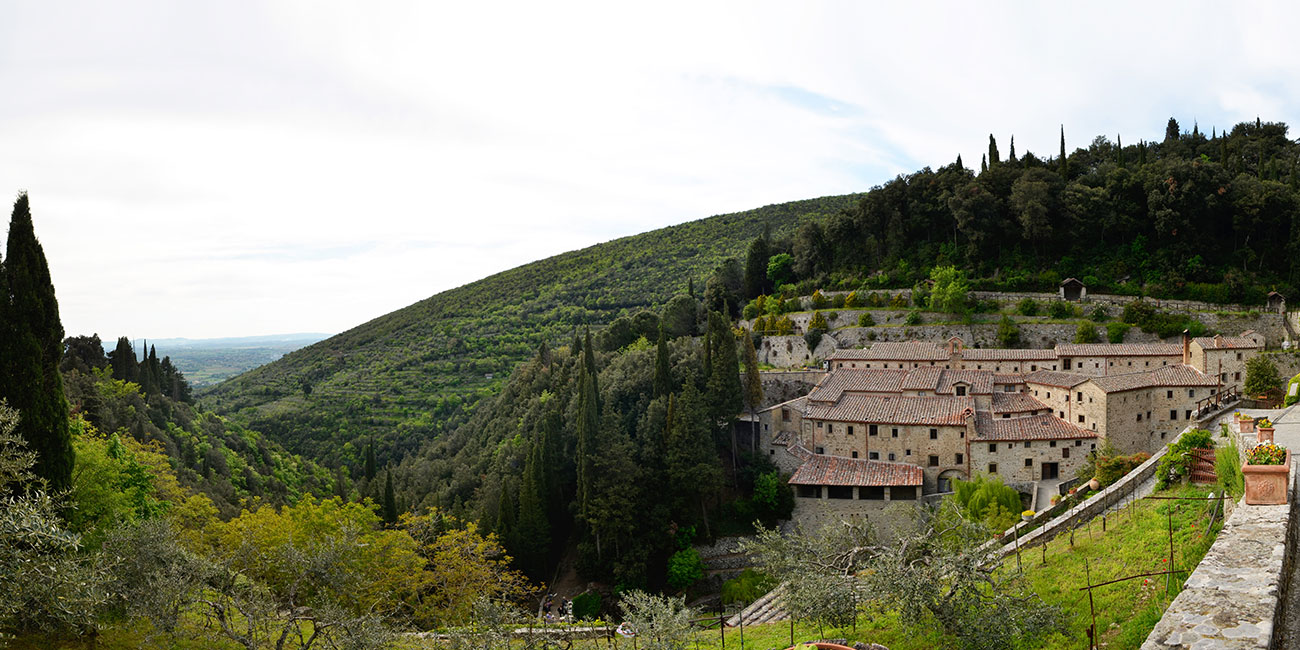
<point>1246,425</point>
<point>1094,484</point>
<point>1265,434</point>
<point>1266,484</point>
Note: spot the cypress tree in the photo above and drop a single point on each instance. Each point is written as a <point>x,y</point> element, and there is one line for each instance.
<point>532,528</point>
<point>993,151</point>
<point>1119,150</point>
<point>32,340</point>
<point>1011,155</point>
<point>390,503</point>
<point>587,426</point>
<point>755,281</point>
<point>1065,160</point>
<point>122,358</point>
<point>663,374</point>
<point>1171,130</point>
<point>984,164</point>
<point>959,165</point>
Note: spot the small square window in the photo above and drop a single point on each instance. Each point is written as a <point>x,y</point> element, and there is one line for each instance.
<point>874,455</point>
<point>891,455</point>
<point>993,468</point>
<point>872,430</point>
<point>820,450</point>
<point>959,460</point>
<point>1029,462</point>
<point>934,434</point>
<point>1028,444</point>
<point>1173,414</point>
<point>1051,443</point>
<point>1169,394</point>
<point>850,429</point>
<point>893,433</point>
<point>993,447</point>
<point>1065,453</point>
<point>934,461</point>
<point>855,454</point>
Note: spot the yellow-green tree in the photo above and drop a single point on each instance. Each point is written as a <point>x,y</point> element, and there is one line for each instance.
<point>462,567</point>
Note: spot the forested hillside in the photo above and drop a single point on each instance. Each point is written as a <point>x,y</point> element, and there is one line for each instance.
<point>404,378</point>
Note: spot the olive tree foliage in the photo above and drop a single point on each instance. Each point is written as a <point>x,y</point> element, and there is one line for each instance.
<point>932,570</point>
<point>46,584</point>
<point>659,622</point>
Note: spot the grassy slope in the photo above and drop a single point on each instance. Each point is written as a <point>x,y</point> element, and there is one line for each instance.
<point>407,375</point>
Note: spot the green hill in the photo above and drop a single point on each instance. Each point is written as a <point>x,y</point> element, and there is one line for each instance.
<point>406,376</point>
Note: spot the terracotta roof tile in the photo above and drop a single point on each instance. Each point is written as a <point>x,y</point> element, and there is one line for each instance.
<point>1013,379</point>
<point>1177,375</point>
<point>909,351</point>
<point>1054,378</point>
<point>1016,403</point>
<point>1034,427</point>
<point>1225,342</point>
<point>945,410</point>
<point>980,382</point>
<point>849,354</point>
<point>926,378</point>
<point>1002,354</point>
<point>855,380</point>
<point>833,470</point>
<point>1119,350</point>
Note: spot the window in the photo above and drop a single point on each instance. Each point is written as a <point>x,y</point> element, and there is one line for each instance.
<point>1236,375</point>
<point>902,493</point>
<point>934,434</point>
<point>1238,356</point>
<point>1029,462</point>
<point>1081,419</point>
<point>1169,394</point>
<point>1187,415</point>
<point>810,491</point>
<point>907,452</point>
<point>1065,453</point>
<point>893,433</point>
<point>819,425</point>
<point>872,430</point>
<point>1078,396</point>
<point>785,415</point>
<point>855,454</point>
<point>993,468</point>
<point>959,460</point>
<point>1027,444</point>
<point>1049,394</point>
<point>1191,392</point>
<point>891,455</point>
<point>1008,389</point>
<point>839,491</point>
<point>820,450</point>
<point>1173,414</point>
<point>771,452</point>
<point>1078,443</point>
<point>934,461</point>
<point>961,391</point>
<point>1139,417</point>
<point>1061,414</point>
<point>873,455</point>
<point>993,447</point>
<point>870,493</point>
<point>1033,368</point>
<point>830,428</point>
<point>850,429</point>
<point>1051,443</point>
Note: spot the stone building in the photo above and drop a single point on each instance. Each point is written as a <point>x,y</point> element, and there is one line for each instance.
<point>1073,290</point>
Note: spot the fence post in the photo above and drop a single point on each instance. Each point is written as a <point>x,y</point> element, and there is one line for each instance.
<point>742,628</point>
<point>722,628</point>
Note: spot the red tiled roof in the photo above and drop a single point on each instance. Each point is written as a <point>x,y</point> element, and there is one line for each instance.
<point>979,382</point>
<point>783,438</point>
<point>1016,403</point>
<point>1014,380</point>
<point>795,404</point>
<point>944,410</point>
<point>1002,354</point>
<point>833,470</point>
<point>909,351</point>
<point>1177,375</point>
<point>1034,427</point>
<point>1225,342</point>
<point>925,378</point>
<point>857,380</point>
<point>1119,350</point>
<point>1054,378</point>
<point>849,354</point>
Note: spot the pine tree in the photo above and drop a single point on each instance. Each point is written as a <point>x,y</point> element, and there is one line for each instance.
<point>390,503</point>
<point>122,358</point>
<point>959,165</point>
<point>1171,130</point>
<point>32,338</point>
<point>663,383</point>
<point>993,151</point>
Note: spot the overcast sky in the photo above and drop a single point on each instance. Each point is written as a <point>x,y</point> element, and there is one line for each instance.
<point>239,168</point>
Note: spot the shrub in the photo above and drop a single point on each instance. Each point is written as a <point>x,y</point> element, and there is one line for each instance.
<point>838,301</point>
<point>914,317</point>
<point>852,300</point>
<point>1060,309</point>
<point>685,568</point>
<point>1085,333</point>
<point>818,301</point>
<point>1261,376</point>
<point>818,322</point>
<point>1099,314</point>
<point>1115,331</point>
<point>865,320</point>
<point>831,317</point>
<point>1112,469</point>
<point>898,301</point>
<point>813,338</point>
<point>1177,463</point>
<point>1008,333</point>
<point>586,605</point>
<point>784,326</point>
<point>1027,307</point>
<point>1138,312</point>
<point>746,587</point>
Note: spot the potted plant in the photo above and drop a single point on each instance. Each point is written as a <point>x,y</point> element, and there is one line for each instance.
<point>1027,515</point>
<point>1265,430</point>
<point>1056,498</point>
<point>1245,423</point>
<point>1267,472</point>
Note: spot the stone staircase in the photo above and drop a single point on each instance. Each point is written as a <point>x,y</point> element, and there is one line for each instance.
<point>768,609</point>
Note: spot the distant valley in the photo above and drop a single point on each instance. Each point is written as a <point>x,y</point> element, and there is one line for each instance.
<point>210,361</point>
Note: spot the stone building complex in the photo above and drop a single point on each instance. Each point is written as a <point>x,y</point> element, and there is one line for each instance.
<point>900,421</point>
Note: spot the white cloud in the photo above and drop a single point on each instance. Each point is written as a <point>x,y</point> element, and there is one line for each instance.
<point>247,168</point>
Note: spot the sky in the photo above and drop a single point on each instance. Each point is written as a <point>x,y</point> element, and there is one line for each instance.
<point>207,169</point>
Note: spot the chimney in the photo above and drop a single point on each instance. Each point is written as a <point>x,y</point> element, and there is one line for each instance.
<point>1187,348</point>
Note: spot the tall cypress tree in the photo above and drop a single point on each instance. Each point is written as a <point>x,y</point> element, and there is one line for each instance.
<point>993,151</point>
<point>1011,155</point>
<point>587,426</point>
<point>370,461</point>
<point>1065,160</point>
<point>755,281</point>
<point>32,338</point>
<point>1119,150</point>
<point>122,358</point>
<point>984,164</point>
<point>532,528</point>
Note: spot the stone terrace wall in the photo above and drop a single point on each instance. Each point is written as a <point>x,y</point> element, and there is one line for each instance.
<point>785,385</point>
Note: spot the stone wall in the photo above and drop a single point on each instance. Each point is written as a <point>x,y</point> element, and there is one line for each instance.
<point>812,515</point>
<point>792,351</point>
<point>785,385</point>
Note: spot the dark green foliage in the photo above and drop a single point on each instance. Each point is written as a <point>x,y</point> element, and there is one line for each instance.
<point>746,587</point>
<point>913,317</point>
<point>31,351</point>
<point>756,282</point>
<point>1163,324</point>
<point>390,501</point>
<point>663,375</point>
<point>81,353</point>
<point>865,320</point>
<point>1060,309</point>
<point>1027,307</point>
<point>685,568</point>
<point>586,605</point>
<point>1098,314</point>
<point>780,269</point>
<point>370,461</point>
<point>1086,333</point>
<point>1115,332</point>
<point>1176,465</point>
<point>1261,376</point>
<point>1008,333</point>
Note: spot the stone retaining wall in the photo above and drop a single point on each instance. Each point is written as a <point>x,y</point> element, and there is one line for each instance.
<point>784,385</point>
<point>1235,595</point>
